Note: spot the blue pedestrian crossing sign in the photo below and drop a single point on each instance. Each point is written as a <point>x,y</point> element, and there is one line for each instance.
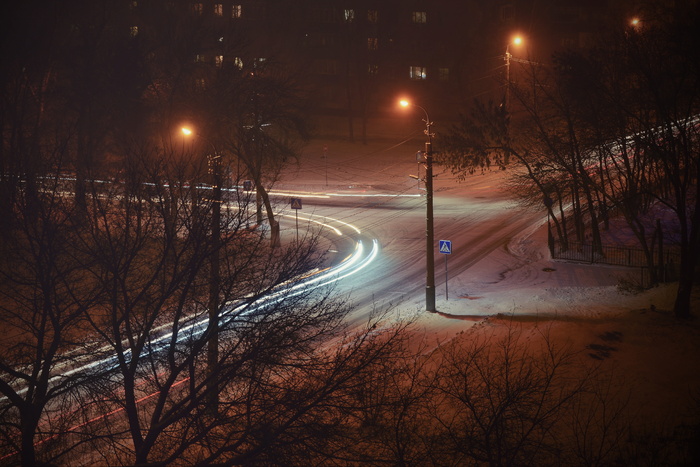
<point>446,247</point>
<point>296,203</point>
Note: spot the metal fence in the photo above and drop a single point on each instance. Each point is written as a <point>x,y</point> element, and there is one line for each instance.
<point>617,256</point>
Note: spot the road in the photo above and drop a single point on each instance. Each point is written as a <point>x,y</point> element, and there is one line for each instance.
<point>375,233</point>
<point>475,215</point>
<point>374,225</point>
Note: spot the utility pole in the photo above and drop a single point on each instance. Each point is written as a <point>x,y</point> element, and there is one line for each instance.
<point>516,41</point>
<point>429,232</point>
<point>214,284</point>
<point>214,166</point>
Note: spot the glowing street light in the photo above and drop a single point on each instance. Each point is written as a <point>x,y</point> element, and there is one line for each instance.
<point>429,232</point>
<point>636,24</point>
<point>214,161</point>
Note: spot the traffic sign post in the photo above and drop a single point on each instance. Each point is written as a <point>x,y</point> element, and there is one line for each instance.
<point>296,205</point>
<point>325,160</point>
<point>445,247</point>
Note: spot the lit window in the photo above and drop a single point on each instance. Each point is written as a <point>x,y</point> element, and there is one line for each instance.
<point>218,9</point>
<point>420,17</point>
<point>259,62</point>
<point>568,42</point>
<point>199,58</point>
<point>199,8</point>
<point>327,67</point>
<point>200,84</point>
<point>444,74</point>
<point>372,43</point>
<point>238,62</point>
<point>417,72</point>
<point>134,31</point>
<point>372,69</point>
<point>237,11</point>
<point>372,16</point>
<point>507,12</point>
<point>349,16</point>
<point>219,61</point>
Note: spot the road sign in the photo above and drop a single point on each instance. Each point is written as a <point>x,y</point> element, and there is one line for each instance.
<point>296,203</point>
<point>446,247</point>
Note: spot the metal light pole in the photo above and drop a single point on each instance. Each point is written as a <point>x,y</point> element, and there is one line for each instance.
<point>214,283</point>
<point>508,56</point>
<point>214,165</point>
<point>429,231</point>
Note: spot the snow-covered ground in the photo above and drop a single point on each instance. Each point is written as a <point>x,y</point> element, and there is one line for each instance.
<point>583,306</point>
<point>519,280</point>
<point>524,280</point>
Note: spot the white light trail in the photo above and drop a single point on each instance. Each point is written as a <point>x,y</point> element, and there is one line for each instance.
<point>352,264</point>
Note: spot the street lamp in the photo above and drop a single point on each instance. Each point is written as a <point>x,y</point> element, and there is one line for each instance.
<point>517,40</point>
<point>429,232</point>
<point>214,162</point>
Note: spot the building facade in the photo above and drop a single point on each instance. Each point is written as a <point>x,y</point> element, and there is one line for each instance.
<point>358,56</point>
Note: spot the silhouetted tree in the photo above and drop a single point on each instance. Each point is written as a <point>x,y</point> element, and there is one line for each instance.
<point>612,127</point>
<point>44,297</point>
<point>285,358</point>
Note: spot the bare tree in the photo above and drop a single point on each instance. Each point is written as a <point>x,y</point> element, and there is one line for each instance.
<point>393,422</point>
<point>636,104</point>
<point>610,128</point>
<point>263,128</point>
<point>42,285</point>
<point>600,423</point>
<point>285,361</point>
<point>506,397</point>
<point>501,400</point>
<point>43,295</point>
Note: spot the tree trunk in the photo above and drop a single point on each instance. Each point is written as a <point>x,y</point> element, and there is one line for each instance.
<point>274,225</point>
<point>29,423</point>
<point>690,255</point>
<point>681,308</point>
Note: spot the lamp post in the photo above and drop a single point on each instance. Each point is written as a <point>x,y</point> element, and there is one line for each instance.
<point>214,169</point>
<point>516,41</point>
<point>429,231</point>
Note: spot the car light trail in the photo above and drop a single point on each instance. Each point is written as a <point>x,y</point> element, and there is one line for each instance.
<point>352,264</point>
<point>349,266</point>
<point>320,222</point>
<point>375,195</point>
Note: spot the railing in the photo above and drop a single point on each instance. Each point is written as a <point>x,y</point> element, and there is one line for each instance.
<point>617,256</point>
